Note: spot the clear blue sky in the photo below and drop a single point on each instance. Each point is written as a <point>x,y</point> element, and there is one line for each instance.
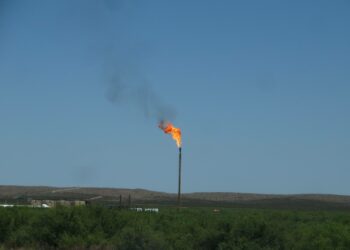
<point>260,88</point>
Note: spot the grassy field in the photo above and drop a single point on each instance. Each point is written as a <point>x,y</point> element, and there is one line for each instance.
<point>99,227</point>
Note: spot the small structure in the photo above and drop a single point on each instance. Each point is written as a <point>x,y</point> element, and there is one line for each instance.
<point>137,209</point>
<point>154,210</point>
<point>6,205</point>
<point>140,209</point>
<point>55,203</point>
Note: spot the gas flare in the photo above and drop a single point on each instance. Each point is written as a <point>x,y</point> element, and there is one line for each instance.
<point>168,128</point>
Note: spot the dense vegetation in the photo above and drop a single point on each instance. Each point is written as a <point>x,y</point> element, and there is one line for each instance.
<point>192,228</point>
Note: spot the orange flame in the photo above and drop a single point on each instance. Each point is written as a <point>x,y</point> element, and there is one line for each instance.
<point>168,128</point>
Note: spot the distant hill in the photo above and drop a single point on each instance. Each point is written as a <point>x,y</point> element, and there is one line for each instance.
<point>147,197</point>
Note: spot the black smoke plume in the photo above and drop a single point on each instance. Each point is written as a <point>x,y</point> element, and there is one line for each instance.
<point>139,93</point>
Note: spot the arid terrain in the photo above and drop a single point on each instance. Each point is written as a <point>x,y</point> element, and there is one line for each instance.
<point>22,194</point>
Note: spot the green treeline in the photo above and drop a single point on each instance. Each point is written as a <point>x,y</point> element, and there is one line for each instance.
<point>192,228</point>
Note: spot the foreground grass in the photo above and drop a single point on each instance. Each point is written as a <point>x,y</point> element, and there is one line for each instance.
<point>192,228</point>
